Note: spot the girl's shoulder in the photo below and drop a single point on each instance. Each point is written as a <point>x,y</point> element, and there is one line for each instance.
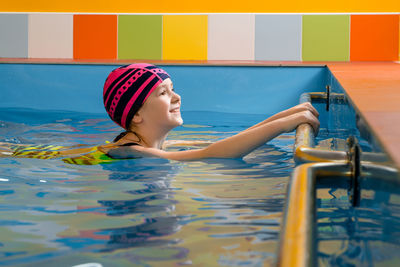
<point>123,150</point>
<point>189,143</point>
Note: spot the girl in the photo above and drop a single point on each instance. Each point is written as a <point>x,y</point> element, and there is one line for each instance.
<point>141,99</point>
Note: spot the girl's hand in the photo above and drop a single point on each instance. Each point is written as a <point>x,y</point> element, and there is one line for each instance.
<point>298,118</point>
<point>284,115</point>
<point>306,106</point>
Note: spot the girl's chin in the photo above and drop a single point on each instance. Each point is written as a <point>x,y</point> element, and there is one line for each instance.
<point>175,122</point>
<point>178,118</point>
<point>180,122</point>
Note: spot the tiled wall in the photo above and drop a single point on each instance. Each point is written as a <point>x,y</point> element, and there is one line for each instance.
<point>272,37</point>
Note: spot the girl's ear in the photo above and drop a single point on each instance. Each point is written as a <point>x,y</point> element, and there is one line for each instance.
<point>137,118</point>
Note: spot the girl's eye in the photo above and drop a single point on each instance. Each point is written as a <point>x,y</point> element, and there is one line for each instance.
<point>163,92</point>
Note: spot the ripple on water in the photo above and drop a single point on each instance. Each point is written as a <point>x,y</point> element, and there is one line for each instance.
<point>142,211</point>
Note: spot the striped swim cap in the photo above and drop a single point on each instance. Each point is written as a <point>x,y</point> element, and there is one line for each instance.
<point>127,88</point>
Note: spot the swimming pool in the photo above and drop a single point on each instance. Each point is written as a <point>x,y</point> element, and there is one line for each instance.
<point>152,211</point>
<point>141,211</point>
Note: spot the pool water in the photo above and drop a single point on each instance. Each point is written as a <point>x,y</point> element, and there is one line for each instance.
<point>139,212</point>
<point>365,235</point>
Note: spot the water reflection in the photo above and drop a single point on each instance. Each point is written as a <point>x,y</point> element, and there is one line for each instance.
<point>149,233</point>
<point>140,211</point>
<point>364,235</point>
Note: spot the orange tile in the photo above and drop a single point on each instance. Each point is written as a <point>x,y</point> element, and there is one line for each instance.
<point>374,37</point>
<point>95,36</point>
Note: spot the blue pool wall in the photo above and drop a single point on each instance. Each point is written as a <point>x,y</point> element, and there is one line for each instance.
<point>340,116</point>
<point>233,89</point>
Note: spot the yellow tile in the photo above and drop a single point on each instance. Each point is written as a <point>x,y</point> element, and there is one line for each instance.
<point>185,37</point>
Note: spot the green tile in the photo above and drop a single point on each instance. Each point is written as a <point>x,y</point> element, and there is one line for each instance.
<point>140,37</point>
<point>326,37</point>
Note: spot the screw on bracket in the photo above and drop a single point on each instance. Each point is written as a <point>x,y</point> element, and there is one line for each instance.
<point>328,92</point>
<point>355,168</point>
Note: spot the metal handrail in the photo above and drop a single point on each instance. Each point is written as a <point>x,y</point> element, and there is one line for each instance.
<point>304,150</point>
<point>297,243</point>
<point>304,147</point>
<point>297,247</point>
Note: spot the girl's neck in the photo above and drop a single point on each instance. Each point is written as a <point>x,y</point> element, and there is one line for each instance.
<point>147,139</point>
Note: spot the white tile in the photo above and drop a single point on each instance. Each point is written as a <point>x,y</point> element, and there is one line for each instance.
<point>278,37</point>
<point>231,37</point>
<point>50,36</point>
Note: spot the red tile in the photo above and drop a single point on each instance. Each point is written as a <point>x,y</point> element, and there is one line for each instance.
<point>374,37</point>
<point>95,36</point>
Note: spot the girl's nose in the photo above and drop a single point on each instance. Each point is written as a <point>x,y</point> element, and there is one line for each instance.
<point>175,98</point>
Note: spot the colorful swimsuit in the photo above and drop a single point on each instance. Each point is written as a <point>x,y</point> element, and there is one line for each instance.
<point>87,156</point>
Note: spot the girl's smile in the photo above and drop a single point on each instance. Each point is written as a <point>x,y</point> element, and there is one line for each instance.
<point>175,110</point>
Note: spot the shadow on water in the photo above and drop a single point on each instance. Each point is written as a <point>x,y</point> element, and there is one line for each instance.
<point>150,233</point>
<point>154,197</point>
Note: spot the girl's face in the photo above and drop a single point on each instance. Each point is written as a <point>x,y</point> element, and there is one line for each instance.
<point>162,107</point>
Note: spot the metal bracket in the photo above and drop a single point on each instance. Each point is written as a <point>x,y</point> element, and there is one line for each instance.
<point>355,169</point>
<point>328,93</point>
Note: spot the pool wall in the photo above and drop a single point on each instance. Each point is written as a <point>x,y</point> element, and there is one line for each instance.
<point>233,89</point>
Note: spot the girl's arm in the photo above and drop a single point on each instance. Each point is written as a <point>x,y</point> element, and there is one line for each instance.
<point>235,146</point>
<point>299,108</point>
<point>172,143</point>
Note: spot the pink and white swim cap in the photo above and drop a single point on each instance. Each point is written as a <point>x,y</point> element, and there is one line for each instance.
<point>127,88</point>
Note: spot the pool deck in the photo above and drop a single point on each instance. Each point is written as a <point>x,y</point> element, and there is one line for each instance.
<point>373,87</point>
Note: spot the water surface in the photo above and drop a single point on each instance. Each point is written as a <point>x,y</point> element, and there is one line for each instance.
<point>139,212</point>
